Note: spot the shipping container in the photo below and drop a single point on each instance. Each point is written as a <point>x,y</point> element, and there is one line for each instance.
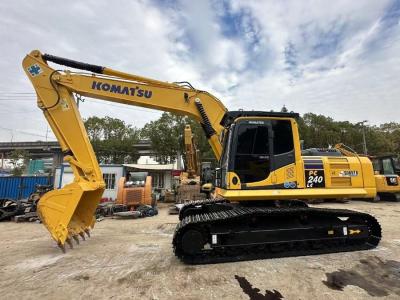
<point>20,187</point>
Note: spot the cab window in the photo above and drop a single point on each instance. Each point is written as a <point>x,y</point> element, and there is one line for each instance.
<point>387,166</point>
<point>283,136</point>
<point>252,157</point>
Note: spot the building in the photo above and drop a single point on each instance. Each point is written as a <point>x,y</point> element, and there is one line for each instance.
<point>111,174</point>
<point>162,175</point>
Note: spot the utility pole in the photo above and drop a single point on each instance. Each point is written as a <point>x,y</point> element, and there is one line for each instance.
<point>47,131</point>
<point>363,134</point>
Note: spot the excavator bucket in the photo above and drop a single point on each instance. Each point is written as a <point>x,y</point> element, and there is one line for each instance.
<point>69,212</point>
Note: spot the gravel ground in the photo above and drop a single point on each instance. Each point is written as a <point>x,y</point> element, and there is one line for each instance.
<point>133,259</point>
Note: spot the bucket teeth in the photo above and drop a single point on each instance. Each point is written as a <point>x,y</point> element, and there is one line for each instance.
<point>61,246</point>
<point>87,232</point>
<point>69,242</point>
<point>82,235</point>
<point>75,237</point>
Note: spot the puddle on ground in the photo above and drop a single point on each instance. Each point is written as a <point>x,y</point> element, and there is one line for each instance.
<point>254,293</point>
<point>377,277</point>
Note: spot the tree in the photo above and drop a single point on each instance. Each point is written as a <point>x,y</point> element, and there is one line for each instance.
<point>17,159</point>
<point>322,131</point>
<point>166,136</point>
<point>112,139</point>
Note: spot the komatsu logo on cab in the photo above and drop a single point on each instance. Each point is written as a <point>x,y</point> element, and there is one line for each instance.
<point>120,89</point>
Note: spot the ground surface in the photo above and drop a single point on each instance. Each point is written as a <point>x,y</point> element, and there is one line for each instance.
<point>133,259</point>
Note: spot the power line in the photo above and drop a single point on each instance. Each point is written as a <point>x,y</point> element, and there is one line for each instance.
<point>93,100</point>
<point>16,93</point>
<point>17,96</point>
<point>18,99</point>
<point>21,131</point>
<point>19,112</point>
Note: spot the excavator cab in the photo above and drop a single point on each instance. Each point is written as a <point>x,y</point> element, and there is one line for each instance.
<point>385,165</point>
<point>257,145</point>
<point>387,177</point>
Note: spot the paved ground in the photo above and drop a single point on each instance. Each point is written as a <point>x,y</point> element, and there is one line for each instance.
<point>133,259</point>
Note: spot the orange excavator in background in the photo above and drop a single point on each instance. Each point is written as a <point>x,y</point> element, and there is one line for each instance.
<point>134,190</point>
<point>134,198</point>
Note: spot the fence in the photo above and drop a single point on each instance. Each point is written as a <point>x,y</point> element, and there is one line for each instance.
<point>20,187</point>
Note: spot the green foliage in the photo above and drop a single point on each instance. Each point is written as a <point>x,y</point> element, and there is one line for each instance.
<point>18,160</point>
<point>166,136</point>
<point>322,131</point>
<point>112,139</point>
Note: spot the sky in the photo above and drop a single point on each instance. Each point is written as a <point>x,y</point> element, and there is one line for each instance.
<point>337,58</point>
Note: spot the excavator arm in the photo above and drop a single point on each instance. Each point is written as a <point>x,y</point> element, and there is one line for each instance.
<point>191,152</point>
<point>68,212</point>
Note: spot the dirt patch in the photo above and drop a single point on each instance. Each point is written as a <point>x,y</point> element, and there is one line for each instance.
<point>254,293</point>
<point>146,273</point>
<point>40,262</point>
<point>377,277</point>
<point>168,228</point>
<point>134,259</point>
<point>81,277</point>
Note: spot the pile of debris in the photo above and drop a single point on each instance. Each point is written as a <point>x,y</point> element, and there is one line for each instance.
<point>24,209</point>
<point>111,209</point>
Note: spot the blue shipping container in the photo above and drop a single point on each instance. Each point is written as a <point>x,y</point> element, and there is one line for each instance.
<point>20,187</point>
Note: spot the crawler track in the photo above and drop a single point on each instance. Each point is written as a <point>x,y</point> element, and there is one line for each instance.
<point>223,232</point>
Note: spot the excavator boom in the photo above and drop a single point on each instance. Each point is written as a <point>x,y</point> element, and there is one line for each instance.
<point>68,212</point>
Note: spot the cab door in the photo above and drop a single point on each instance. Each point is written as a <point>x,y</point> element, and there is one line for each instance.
<point>260,151</point>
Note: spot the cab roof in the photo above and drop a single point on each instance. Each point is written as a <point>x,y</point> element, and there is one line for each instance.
<point>231,116</point>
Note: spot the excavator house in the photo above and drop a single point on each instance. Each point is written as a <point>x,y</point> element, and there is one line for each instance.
<point>262,183</point>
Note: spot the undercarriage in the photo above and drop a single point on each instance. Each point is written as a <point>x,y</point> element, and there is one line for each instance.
<point>218,231</point>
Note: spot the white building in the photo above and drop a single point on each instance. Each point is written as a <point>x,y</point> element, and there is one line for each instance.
<point>111,174</point>
<point>162,175</point>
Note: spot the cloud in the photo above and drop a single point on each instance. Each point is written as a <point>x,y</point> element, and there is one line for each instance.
<point>339,59</point>
<point>326,60</point>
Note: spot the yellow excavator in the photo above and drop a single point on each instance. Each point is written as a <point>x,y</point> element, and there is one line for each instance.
<point>189,179</point>
<point>386,175</point>
<point>262,175</point>
<point>192,162</point>
<point>194,169</point>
